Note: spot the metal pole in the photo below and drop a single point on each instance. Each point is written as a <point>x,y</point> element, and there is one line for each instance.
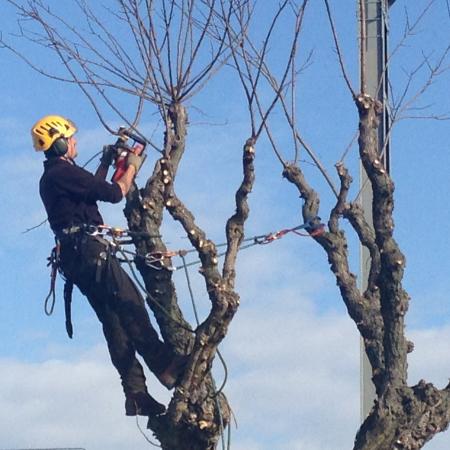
<point>375,54</point>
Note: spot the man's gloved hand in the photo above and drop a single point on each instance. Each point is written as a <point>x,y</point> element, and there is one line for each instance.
<point>135,160</point>
<point>108,155</point>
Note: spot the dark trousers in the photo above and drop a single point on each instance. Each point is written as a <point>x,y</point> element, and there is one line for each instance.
<point>87,262</point>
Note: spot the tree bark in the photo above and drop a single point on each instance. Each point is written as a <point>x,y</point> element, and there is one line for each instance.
<point>404,417</point>
<point>197,414</point>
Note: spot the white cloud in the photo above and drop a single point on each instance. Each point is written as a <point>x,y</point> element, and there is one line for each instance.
<point>429,360</point>
<point>294,375</point>
<point>293,382</point>
<point>298,383</point>
<point>65,404</point>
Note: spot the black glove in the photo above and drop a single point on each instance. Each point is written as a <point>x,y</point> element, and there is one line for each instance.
<point>135,160</point>
<point>108,155</point>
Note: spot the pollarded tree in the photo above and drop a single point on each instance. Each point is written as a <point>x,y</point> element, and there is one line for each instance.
<point>403,416</point>
<point>171,50</point>
<point>163,53</point>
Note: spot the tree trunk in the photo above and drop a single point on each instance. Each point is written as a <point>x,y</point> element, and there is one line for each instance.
<point>405,418</point>
<point>197,414</point>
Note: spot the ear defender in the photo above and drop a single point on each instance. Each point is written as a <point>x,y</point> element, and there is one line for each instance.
<point>60,146</point>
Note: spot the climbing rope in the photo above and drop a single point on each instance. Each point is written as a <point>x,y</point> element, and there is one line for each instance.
<point>191,292</point>
<point>157,260</point>
<point>222,360</point>
<point>138,425</point>
<point>316,230</point>
<point>262,239</point>
<point>197,319</point>
<point>149,296</point>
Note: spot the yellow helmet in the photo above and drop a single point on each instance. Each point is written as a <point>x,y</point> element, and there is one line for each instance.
<point>50,128</point>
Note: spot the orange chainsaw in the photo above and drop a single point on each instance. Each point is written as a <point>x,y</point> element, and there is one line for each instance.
<point>122,150</point>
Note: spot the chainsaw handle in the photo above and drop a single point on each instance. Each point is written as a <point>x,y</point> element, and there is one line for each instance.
<point>123,150</point>
<point>122,159</point>
<point>130,135</point>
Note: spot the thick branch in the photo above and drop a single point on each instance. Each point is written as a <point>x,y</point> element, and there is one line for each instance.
<point>144,211</point>
<point>364,312</point>
<point>394,300</point>
<point>235,224</point>
<point>405,419</point>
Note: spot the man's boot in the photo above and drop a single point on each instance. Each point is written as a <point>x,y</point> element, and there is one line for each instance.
<point>142,404</point>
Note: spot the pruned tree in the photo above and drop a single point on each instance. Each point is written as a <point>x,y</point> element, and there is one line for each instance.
<point>403,416</point>
<point>162,53</point>
<point>176,48</point>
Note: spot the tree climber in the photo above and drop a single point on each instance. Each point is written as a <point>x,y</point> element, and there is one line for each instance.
<point>70,196</point>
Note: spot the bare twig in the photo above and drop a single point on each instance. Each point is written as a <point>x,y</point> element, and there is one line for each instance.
<point>338,49</point>
<point>362,45</point>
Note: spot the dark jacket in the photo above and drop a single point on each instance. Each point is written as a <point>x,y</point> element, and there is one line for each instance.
<point>70,194</point>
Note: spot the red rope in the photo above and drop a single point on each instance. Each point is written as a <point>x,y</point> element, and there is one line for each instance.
<point>279,234</point>
<point>317,232</point>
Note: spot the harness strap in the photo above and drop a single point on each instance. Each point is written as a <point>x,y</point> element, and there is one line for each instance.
<point>53,262</point>
<point>68,289</point>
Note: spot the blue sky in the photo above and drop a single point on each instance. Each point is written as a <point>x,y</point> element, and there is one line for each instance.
<point>292,324</point>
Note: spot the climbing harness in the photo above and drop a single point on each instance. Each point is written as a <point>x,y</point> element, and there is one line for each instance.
<point>113,246</point>
<point>53,262</point>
